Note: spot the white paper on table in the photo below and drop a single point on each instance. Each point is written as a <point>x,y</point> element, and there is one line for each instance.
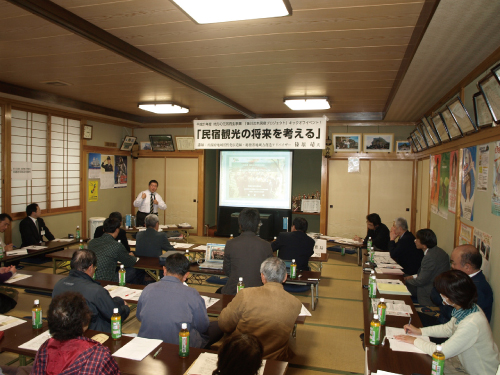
<point>209,301</point>
<point>394,307</point>
<point>22,251</point>
<point>206,363</point>
<point>316,255</point>
<point>34,344</point>
<point>35,247</point>
<point>137,349</point>
<point>131,242</point>
<point>183,225</point>
<point>388,271</point>
<point>389,281</point>
<point>400,346</point>
<point>142,229</point>
<point>389,266</point>
<point>178,245</point>
<point>17,277</point>
<point>380,372</point>
<point>200,247</point>
<point>123,292</point>
<point>304,311</point>
<point>170,225</point>
<point>63,239</point>
<point>7,322</point>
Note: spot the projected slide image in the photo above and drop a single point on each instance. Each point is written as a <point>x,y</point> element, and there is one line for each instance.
<point>256,179</point>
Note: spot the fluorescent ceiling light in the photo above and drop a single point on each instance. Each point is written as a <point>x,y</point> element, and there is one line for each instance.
<point>303,104</point>
<point>163,107</point>
<point>212,11</point>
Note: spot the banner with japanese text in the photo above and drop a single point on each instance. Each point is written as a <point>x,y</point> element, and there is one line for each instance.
<point>452,191</point>
<point>495,194</point>
<point>468,183</point>
<point>271,133</point>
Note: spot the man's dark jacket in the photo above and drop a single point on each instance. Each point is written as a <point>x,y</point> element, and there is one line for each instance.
<point>406,254</point>
<point>32,236</point>
<point>380,237</point>
<point>295,245</point>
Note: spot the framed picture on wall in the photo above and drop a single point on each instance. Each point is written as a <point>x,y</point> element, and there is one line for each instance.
<point>431,131</point>
<point>482,113</point>
<point>146,146</point>
<point>378,142</point>
<point>425,135</point>
<point>453,128</point>
<point>490,88</point>
<point>162,143</point>
<point>403,146</point>
<point>346,142</point>
<point>127,143</point>
<point>461,116</point>
<point>412,144</point>
<point>184,143</point>
<point>440,127</point>
<point>418,146</point>
<point>496,72</point>
<point>420,139</point>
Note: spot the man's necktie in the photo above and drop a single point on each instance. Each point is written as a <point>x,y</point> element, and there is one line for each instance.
<point>151,208</point>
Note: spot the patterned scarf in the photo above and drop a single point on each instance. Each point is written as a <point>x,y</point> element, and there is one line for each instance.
<point>461,314</point>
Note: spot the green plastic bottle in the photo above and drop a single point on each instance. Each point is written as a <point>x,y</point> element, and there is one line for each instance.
<point>121,276</point>
<point>293,270</point>
<point>437,367</point>
<point>36,315</point>
<point>372,287</point>
<point>381,310</point>
<point>240,285</point>
<point>375,330</point>
<point>184,341</point>
<point>116,325</point>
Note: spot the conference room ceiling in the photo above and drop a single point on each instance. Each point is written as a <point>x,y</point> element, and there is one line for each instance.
<point>356,52</point>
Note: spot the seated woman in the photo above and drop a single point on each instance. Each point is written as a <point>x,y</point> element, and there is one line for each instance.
<point>239,354</point>
<point>68,351</point>
<point>470,348</point>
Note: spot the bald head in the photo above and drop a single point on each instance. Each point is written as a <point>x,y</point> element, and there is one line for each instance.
<point>466,258</point>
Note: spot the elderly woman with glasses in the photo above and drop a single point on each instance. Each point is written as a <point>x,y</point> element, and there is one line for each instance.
<point>470,348</point>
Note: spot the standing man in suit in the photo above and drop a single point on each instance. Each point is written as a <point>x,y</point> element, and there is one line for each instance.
<point>122,235</point>
<point>33,227</point>
<point>245,253</point>
<point>404,252</point>
<point>150,242</point>
<point>435,261</point>
<point>148,202</point>
<point>295,244</point>
<point>466,258</point>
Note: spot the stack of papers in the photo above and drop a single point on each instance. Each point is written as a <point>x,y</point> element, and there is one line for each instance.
<point>131,242</point>
<point>34,344</point>
<point>348,241</point>
<point>183,225</point>
<point>206,363</point>
<point>200,247</point>
<point>35,247</point>
<point>63,239</point>
<point>7,322</point>
<point>399,346</point>
<point>17,277</point>
<point>380,372</point>
<point>22,251</point>
<point>209,301</point>
<point>399,289</point>
<point>123,292</point>
<point>389,271</point>
<point>137,349</point>
<point>394,307</point>
<point>178,245</point>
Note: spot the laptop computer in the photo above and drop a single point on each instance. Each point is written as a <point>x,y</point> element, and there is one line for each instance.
<point>214,256</point>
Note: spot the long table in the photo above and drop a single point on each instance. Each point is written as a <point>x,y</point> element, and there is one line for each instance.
<point>167,361</point>
<point>51,246</point>
<point>381,357</point>
<point>183,230</point>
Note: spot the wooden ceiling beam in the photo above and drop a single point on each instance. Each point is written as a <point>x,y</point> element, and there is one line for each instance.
<point>77,25</point>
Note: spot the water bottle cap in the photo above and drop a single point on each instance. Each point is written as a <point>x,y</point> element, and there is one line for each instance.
<point>372,272</point>
<point>373,277</point>
<point>115,310</point>
<point>369,238</point>
<point>293,260</point>
<point>375,316</point>
<point>77,226</point>
<point>184,325</point>
<point>439,348</point>
<point>119,241</point>
<point>231,235</point>
<point>187,251</point>
<point>241,278</point>
<point>37,302</point>
<point>81,240</point>
<point>382,300</point>
<point>121,266</point>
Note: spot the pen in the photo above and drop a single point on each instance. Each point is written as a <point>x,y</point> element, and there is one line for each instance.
<point>158,352</point>
<point>406,330</point>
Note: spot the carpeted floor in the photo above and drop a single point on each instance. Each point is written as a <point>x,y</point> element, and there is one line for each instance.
<point>327,343</point>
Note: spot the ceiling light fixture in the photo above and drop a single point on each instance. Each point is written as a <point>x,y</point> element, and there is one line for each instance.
<point>307,103</point>
<point>213,11</point>
<point>163,107</point>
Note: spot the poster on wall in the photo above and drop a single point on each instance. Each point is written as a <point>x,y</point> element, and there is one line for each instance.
<point>465,235</point>
<point>444,183</point>
<point>452,191</point>
<point>483,241</point>
<point>483,162</point>
<point>94,165</point>
<point>21,170</point>
<point>120,171</point>
<point>93,190</point>
<point>468,183</point>
<point>107,175</point>
<point>495,195</point>
<point>435,168</point>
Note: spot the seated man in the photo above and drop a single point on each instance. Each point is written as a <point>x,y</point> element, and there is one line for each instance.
<point>109,252</point>
<point>377,231</point>
<point>268,312</point>
<point>404,252</point>
<point>33,228</point>
<point>68,351</point>
<point>295,244</point>
<point>165,305</point>
<point>467,258</point>
<point>244,254</point>
<point>83,266</point>
<point>8,296</point>
<point>5,221</point>
<point>122,235</point>
<point>435,261</point>
<point>150,242</point>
